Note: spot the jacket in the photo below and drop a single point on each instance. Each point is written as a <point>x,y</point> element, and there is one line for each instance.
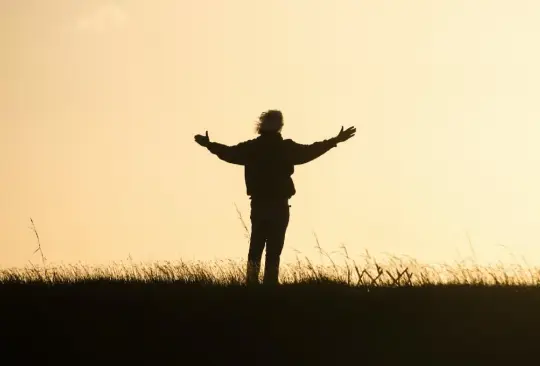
<point>269,162</point>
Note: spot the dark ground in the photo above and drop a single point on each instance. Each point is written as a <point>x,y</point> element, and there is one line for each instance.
<point>179,324</point>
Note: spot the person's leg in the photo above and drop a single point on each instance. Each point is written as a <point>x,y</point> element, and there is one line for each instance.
<point>256,244</point>
<point>275,242</point>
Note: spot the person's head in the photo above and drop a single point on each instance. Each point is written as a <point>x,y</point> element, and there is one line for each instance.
<point>270,121</point>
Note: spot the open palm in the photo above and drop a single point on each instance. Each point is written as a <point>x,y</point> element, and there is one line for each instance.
<point>202,140</point>
<point>344,135</point>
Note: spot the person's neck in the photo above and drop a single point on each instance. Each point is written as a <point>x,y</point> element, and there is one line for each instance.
<point>271,134</point>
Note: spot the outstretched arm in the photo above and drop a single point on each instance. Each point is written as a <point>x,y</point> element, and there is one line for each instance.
<point>301,154</point>
<point>237,154</point>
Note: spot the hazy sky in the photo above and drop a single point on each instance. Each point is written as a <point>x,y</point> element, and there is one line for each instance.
<point>100,100</point>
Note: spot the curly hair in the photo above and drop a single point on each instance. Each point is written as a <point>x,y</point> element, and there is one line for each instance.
<point>269,121</point>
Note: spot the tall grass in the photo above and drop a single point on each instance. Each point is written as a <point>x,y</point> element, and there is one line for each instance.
<point>394,271</point>
<point>368,272</point>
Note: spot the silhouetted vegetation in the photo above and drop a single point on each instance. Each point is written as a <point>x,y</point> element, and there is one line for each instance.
<point>202,313</point>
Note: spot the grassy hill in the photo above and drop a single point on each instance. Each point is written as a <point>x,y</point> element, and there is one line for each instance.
<point>202,314</point>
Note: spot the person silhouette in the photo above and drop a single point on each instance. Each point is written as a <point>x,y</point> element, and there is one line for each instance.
<point>269,162</point>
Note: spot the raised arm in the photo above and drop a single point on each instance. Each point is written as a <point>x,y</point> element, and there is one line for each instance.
<point>236,154</point>
<point>301,154</point>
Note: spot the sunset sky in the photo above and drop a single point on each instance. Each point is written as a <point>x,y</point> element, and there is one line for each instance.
<point>100,100</point>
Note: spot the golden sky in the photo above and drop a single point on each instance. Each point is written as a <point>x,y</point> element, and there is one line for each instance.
<point>100,100</point>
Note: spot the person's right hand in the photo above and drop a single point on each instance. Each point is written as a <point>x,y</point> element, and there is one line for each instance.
<point>345,135</point>
<point>202,140</point>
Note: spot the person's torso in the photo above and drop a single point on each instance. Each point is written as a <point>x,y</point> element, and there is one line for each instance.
<point>269,170</point>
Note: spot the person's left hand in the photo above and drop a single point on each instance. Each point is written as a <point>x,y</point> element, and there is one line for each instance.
<point>345,135</point>
<point>202,140</point>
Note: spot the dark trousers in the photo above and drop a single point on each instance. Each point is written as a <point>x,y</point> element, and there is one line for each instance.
<point>269,221</point>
